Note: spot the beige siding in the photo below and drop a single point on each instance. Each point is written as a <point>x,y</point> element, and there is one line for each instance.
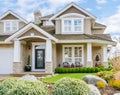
<point>36,33</point>
<point>97,50</point>
<point>87,26</point>
<point>9,17</point>
<point>54,56</point>
<point>58,27</point>
<point>73,10</point>
<point>21,24</point>
<point>60,53</point>
<point>98,31</point>
<point>1,27</point>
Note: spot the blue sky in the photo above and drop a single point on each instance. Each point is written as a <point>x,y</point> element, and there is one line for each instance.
<point>107,11</point>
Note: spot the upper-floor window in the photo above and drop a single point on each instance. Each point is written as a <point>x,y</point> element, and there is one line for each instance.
<point>72,25</point>
<point>48,23</point>
<point>10,26</point>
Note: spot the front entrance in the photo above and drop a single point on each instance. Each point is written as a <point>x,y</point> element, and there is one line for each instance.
<point>39,58</point>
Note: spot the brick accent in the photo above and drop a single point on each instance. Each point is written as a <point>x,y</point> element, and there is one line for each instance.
<point>48,67</point>
<point>18,67</point>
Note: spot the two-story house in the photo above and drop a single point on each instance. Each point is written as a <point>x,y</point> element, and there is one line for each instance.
<point>72,35</point>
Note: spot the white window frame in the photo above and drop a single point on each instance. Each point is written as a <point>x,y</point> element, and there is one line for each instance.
<point>48,23</point>
<point>73,57</point>
<point>11,31</point>
<point>73,26</point>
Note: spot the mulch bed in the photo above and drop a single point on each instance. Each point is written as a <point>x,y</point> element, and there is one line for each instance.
<point>109,91</point>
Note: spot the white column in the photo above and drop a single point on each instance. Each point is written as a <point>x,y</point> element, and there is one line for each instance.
<point>48,50</point>
<point>17,50</point>
<point>105,57</point>
<point>89,54</point>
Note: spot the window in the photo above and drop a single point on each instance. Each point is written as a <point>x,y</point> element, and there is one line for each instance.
<point>10,26</point>
<point>72,26</point>
<point>72,54</point>
<point>49,23</point>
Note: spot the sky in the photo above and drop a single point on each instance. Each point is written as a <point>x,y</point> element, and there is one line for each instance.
<point>106,11</point>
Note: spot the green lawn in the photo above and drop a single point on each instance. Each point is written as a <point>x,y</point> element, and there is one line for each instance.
<point>71,75</point>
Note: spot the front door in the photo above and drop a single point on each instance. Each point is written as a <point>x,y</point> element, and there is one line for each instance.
<point>39,58</point>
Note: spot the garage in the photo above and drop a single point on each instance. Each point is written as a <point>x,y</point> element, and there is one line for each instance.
<point>6,60</point>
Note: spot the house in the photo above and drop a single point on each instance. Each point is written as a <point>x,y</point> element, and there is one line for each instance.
<point>71,35</point>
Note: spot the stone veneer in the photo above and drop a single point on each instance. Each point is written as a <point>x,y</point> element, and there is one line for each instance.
<point>48,67</point>
<point>17,67</point>
<point>89,64</point>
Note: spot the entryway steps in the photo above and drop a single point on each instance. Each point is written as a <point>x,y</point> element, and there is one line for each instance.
<point>37,74</point>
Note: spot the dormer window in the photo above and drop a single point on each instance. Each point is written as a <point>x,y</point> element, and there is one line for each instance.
<point>10,26</point>
<point>72,25</point>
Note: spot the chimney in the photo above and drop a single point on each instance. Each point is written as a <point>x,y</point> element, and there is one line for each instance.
<point>37,16</point>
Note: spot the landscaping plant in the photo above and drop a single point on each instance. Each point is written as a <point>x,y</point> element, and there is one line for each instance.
<point>22,87</point>
<point>70,86</point>
<point>101,84</point>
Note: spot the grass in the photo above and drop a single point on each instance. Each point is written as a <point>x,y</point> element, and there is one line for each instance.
<point>71,75</point>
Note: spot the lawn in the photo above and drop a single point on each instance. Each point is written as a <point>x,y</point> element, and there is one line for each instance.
<point>71,75</point>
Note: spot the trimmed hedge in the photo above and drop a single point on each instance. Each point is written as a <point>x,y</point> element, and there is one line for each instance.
<point>81,70</point>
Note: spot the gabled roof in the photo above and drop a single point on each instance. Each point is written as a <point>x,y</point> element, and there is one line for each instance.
<point>26,28</point>
<point>69,6</point>
<point>99,25</point>
<point>14,14</point>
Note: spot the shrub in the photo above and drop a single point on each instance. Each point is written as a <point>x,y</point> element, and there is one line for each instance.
<point>69,86</point>
<point>101,84</point>
<point>106,75</point>
<point>115,83</point>
<point>81,70</point>
<point>22,87</point>
<point>116,63</point>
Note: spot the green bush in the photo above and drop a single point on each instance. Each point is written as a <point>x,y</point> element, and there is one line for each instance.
<point>69,86</point>
<point>81,70</point>
<point>22,87</point>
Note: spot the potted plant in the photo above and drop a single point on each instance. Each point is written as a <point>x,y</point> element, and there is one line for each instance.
<point>28,65</point>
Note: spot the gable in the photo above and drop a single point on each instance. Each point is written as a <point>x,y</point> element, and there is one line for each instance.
<point>72,10</point>
<point>32,31</point>
<point>9,16</point>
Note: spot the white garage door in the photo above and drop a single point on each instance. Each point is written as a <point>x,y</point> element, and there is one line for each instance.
<point>6,60</point>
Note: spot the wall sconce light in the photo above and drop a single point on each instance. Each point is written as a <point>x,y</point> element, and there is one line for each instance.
<point>29,47</point>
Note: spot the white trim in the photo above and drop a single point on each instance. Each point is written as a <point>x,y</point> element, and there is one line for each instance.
<point>73,28</point>
<point>26,28</point>
<point>89,52</point>
<point>87,41</point>
<point>33,56</point>
<point>74,5</point>
<point>25,37</point>
<point>14,14</point>
<point>72,14</point>
<point>17,51</point>
<point>2,42</point>
<point>11,31</point>
<point>105,57</point>
<point>63,48</point>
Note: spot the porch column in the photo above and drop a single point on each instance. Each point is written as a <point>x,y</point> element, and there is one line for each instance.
<point>49,65</point>
<point>17,50</point>
<point>105,59</point>
<point>89,55</point>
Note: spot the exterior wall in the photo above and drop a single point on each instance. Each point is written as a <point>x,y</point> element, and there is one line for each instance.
<point>6,58</point>
<point>72,10</point>
<point>60,53</point>
<point>58,26</point>
<point>98,31</point>
<point>97,50</point>
<point>21,24</point>
<point>54,56</point>
<point>9,17</point>
<point>87,26</point>
<point>28,33</point>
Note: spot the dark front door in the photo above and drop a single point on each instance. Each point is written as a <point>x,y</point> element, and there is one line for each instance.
<point>39,58</point>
